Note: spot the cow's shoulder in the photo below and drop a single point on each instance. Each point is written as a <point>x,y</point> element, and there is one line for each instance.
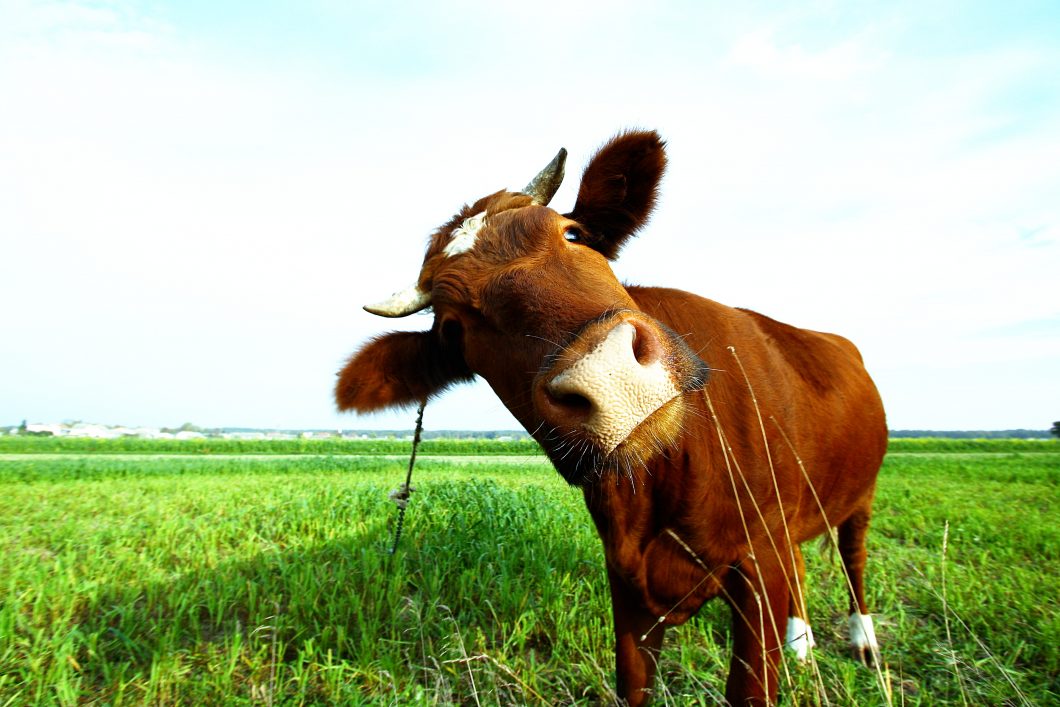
<point>820,358</point>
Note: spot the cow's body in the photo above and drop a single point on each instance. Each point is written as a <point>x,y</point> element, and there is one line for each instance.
<point>698,488</point>
<point>689,513</point>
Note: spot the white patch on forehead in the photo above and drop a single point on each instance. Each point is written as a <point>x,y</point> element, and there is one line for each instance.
<point>465,236</point>
<point>623,392</point>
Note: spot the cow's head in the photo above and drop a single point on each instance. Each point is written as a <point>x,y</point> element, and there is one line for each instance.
<point>524,297</point>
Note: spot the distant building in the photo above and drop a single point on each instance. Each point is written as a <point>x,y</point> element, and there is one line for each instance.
<point>244,435</point>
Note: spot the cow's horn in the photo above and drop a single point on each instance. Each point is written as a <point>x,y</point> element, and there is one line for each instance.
<point>545,185</point>
<point>401,304</point>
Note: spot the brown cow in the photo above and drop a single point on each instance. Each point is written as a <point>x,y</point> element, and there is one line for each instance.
<point>697,488</point>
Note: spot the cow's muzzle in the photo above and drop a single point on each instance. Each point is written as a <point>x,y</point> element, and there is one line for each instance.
<point>593,394</point>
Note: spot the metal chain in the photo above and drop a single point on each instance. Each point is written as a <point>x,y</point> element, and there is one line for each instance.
<point>400,495</point>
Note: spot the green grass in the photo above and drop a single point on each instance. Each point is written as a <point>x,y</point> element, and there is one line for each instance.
<point>975,446</point>
<point>256,580</point>
<point>25,444</point>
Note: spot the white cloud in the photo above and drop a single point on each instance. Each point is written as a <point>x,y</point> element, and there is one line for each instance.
<point>761,51</point>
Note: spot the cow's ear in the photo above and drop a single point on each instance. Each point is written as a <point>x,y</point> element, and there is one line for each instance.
<point>618,189</point>
<point>400,368</point>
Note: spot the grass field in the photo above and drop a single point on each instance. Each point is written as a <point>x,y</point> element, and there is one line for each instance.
<point>259,575</point>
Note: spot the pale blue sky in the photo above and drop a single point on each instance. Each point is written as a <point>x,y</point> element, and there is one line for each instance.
<point>196,198</point>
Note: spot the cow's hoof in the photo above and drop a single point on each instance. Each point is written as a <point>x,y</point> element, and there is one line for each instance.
<point>799,639</point>
<point>863,645</point>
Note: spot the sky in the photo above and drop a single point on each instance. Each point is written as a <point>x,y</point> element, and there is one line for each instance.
<point>196,198</point>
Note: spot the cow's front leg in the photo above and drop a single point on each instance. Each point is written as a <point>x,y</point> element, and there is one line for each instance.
<point>758,594</point>
<point>638,640</point>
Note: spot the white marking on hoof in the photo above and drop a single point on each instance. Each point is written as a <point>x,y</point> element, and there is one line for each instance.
<point>465,235</point>
<point>799,638</point>
<point>862,634</point>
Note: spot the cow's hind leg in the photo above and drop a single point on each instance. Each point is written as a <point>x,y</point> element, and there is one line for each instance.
<point>799,637</point>
<point>852,533</point>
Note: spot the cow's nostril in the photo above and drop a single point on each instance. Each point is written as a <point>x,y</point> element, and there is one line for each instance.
<point>569,403</point>
<point>640,351</point>
<point>573,402</point>
<point>646,347</point>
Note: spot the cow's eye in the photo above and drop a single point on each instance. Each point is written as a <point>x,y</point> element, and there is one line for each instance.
<point>572,236</point>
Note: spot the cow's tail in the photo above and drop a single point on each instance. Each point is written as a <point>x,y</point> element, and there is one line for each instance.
<point>829,543</point>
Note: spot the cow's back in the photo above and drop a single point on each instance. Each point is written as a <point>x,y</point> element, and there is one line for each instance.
<point>812,400</point>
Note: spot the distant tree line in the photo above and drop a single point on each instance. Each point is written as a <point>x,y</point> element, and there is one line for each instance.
<point>979,434</point>
<point>186,427</point>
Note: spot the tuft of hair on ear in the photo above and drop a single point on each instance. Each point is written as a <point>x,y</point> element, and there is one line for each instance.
<point>619,189</point>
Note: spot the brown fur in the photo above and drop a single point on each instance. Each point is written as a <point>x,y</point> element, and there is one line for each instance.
<point>711,494</point>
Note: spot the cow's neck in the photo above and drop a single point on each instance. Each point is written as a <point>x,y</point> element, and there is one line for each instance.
<point>663,536</point>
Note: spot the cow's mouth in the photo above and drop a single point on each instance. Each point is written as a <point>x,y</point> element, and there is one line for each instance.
<point>612,399</point>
